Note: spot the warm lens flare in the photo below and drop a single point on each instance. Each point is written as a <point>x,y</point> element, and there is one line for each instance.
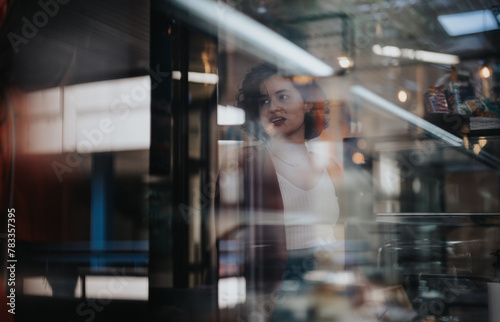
<point>358,158</point>
<point>402,96</point>
<point>485,72</point>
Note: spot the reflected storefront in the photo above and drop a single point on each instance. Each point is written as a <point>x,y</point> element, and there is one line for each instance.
<point>198,160</point>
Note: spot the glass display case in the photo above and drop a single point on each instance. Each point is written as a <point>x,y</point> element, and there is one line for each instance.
<point>425,206</point>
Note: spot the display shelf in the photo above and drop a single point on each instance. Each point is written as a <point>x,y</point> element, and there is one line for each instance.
<point>444,218</point>
<point>461,125</point>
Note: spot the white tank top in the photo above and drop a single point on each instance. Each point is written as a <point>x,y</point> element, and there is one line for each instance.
<point>310,215</point>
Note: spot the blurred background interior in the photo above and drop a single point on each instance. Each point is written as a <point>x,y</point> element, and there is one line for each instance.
<point>115,115</point>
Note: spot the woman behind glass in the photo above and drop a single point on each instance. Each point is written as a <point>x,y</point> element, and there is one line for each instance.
<point>291,207</point>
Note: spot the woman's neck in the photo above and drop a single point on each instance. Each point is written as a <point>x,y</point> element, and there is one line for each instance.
<point>278,141</point>
<point>287,148</point>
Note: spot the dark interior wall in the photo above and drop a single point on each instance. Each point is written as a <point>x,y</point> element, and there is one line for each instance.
<point>50,43</point>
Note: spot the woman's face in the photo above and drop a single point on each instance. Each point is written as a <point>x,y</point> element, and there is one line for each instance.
<point>282,109</point>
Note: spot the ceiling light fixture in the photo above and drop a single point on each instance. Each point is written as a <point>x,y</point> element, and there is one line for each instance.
<point>195,77</point>
<point>468,22</point>
<point>412,54</point>
<point>252,37</point>
<point>345,62</point>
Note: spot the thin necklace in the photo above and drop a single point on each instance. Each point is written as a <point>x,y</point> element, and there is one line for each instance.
<point>292,164</point>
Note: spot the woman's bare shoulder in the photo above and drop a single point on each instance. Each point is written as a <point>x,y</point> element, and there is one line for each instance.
<point>325,161</point>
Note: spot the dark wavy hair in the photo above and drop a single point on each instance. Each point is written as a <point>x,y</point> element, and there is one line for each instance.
<point>315,121</point>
